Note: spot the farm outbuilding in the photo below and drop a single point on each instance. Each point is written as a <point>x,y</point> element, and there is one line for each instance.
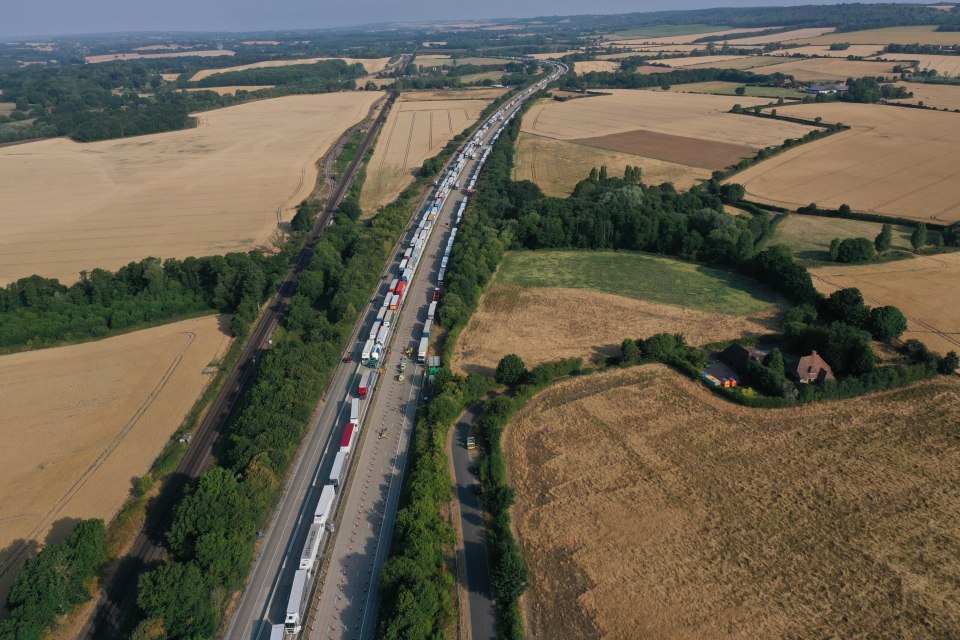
<point>813,368</point>
<point>737,355</point>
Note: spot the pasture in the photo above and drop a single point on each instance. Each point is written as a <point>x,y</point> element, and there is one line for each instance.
<point>372,65</point>
<point>896,162</point>
<point>545,305</point>
<point>810,236</point>
<point>229,184</point>
<point>417,128</point>
<point>721,88</point>
<point>646,506</point>
<point>83,422</point>
<point>923,288</point>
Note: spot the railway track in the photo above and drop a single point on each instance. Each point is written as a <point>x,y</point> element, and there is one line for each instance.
<point>118,597</point>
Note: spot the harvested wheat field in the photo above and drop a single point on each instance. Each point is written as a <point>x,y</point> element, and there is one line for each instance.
<point>941,96</point>
<point>414,131</point>
<point>372,65</point>
<point>943,65</point>
<point>701,61</point>
<point>830,69</point>
<point>113,57</point>
<point>924,289</point>
<point>556,166</point>
<point>82,422</point>
<point>897,162</point>
<point>595,65</point>
<point>229,91</point>
<point>647,507</point>
<point>890,35</point>
<point>692,130</point>
<point>224,186</point>
<point>552,56</point>
<point>545,305</point>
<point>686,38</point>
<point>784,36</point>
<point>823,50</point>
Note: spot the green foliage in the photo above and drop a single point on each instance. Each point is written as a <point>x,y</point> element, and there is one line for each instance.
<point>949,363</point>
<point>511,370</point>
<point>846,348</point>
<point>37,312</point>
<point>178,595</point>
<point>847,305</point>
<point>775,266</point>
<point>54,581</point>
<point>884,239</point>
<point>918,239</point>
<point>886,323</point>
<point>951,235</point>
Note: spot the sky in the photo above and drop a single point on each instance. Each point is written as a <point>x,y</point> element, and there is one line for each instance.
<point>58,17</point>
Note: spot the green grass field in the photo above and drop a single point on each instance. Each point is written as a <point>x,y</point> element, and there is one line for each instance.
<point>440,62</point>
<point>810,236</point>
<point>730,89</point>
<point>668,30</point>
<point>640,276</point>
<point>495,76</point>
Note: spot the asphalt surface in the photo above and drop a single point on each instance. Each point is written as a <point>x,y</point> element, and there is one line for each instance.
<point>344,587</point>
<point>118,598</point>
<point>476,567</point>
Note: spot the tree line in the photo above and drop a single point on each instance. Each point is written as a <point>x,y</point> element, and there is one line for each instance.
<point>37,312</point>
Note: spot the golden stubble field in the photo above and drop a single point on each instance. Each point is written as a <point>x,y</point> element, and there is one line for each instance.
<point>829,69</point>
<point>941,96</point>
<point>372,65</point>
<point>898,162</point>
<point>82,422</point>
<point>227,185</point>
<point>684,136</point>
<point>545,324</point>
<point>417,128</point>
<point>587,66</point>
<point>647,507</point>
<point>890,35</point>
<point>924,289</point>
<point>113,57</point>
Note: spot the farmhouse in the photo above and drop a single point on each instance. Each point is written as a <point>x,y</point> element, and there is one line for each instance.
<point>826,88</point>
<point>813,368</point>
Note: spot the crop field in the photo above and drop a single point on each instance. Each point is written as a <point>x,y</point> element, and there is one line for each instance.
<point>548,56</point>
<point>943,65</point>
<point>680,39</point>
<point>416,129</point>
<point>226,185</point>
<point>556,166</point>
<point>372,65</point>
<point>785,36</point>
<point>113,57</point>
<point>646,506</point>
<point>83,422</point>
<point>701,61</point>
<point>810,236</point>
<point>721,88</point>
<point>6,108</point>
<point>923,288</point>
<point>941,96</point>
<point>862,50</point>
<point>670,30</point>
<point>447,61</point>
<point>830,69</point>
<point>546,305</point>
<point>229,91</point>
<point>595,65</point>
<point>896,162</point>
<point>890,35</point>
<point>494,76</point>
<point>691,129</point>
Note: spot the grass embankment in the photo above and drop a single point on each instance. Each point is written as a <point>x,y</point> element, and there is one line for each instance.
<point>639,276</point>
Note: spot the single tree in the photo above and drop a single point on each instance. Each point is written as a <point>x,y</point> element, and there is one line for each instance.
<point>847,306</point>
<point>834,249</point>
<point>886,323</point>
<point>740,91</point>
<point>511,370</point>
<point>845,210</point>
<point>949,363</point>
<point>884,239</point>
<point>918,239</point>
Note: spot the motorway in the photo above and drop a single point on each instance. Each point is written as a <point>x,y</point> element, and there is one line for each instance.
<point>344,602</point>
<point>118,596</point>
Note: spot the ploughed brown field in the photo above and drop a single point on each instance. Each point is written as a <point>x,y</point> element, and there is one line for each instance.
<point>227,185</point>
<point>692,131</point>
<point>897,162</point>
<point>923,288</point>
<point>83,422</point>
<point>372,65</point>
<point>647,507</point>
<point>417,128</point>
<point>541,324</point>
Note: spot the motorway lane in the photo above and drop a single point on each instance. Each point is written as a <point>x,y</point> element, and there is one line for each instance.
<point>476,580</point>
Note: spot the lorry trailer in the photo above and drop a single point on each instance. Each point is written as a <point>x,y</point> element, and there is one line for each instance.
<point>324,505</point>
<point>310,549</point>
<point>349,435</point>
<point>339,468</point>
<point>355,411</point>
<point>293,622</point>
